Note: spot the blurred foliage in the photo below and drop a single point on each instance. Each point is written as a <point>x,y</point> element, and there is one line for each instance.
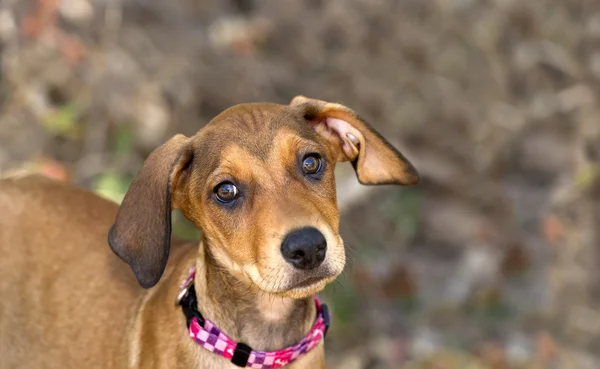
<point>403,208</point>
<point>112,186</point>
<point>63,121</point>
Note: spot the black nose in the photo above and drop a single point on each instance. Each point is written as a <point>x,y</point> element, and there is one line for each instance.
<point>304,248</point>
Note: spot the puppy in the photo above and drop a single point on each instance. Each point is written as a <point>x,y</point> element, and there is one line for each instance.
<point>258,181</point>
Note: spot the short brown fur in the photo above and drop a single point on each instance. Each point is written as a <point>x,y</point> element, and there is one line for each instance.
<point>67,301</point>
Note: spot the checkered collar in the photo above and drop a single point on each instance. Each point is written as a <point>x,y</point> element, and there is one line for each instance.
<point>207,335</point>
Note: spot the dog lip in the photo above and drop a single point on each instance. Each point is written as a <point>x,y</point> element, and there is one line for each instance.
<point>310,281</point>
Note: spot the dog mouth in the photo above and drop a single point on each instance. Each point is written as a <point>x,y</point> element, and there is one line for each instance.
<point>291,282</point>
<point>309,281</point>
<point>312,280</point>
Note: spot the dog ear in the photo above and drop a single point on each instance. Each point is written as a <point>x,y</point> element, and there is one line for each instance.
<point>374,159</point>
<point>141,234</point>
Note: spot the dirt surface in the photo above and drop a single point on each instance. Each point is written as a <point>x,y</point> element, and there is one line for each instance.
<point>491,262</point>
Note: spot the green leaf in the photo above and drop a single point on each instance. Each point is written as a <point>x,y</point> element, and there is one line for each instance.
<point>62,121</point>
<point>585,177</point>
<point>123,140</point>
<point>111,186</point>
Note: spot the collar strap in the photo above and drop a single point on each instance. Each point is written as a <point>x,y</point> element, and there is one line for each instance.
<point>207,335</point>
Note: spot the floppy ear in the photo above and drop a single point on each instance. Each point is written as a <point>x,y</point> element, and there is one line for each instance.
<point>374,159</point>
<point>141,234</point>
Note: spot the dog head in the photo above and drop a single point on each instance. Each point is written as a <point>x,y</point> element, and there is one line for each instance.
<point>258,181</point>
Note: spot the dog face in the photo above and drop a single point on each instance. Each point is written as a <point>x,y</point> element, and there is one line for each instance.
<point>258,180</point>
<point>262,190</point>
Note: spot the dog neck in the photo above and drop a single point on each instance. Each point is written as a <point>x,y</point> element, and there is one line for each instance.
<point>263,321</point>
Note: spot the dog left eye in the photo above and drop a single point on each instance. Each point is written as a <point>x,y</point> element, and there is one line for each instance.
<point>226,192</point>
<point>312,164</point>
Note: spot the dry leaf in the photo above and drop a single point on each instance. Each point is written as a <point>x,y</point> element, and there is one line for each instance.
<point>552,228</point>
<point>546,347</point>
<point>516,260</point>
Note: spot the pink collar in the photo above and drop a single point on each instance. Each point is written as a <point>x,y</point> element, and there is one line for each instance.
<point>207,335</point>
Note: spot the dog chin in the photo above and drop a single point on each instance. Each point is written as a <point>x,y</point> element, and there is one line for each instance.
<point>304,291</point>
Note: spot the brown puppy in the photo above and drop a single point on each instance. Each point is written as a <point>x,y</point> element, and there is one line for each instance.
<point>257,180</point>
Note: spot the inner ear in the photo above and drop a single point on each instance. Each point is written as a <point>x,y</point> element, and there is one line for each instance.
<point>350,138</point>
<point>344,139</point>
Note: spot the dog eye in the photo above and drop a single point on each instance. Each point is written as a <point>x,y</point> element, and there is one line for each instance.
<point>312,164</point>
<point>226,192</point>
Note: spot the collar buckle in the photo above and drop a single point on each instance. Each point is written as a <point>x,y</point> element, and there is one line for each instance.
<point>184,291</point>
<point>241,354</point>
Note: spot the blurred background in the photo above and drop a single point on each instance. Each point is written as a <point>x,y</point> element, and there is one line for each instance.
<point>491,262</point>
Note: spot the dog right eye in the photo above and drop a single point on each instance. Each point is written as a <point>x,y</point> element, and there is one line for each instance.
<point>312,165</point>
<point>226,192</point>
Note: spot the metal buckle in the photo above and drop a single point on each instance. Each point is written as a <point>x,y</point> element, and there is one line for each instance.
<point>183,291</point>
